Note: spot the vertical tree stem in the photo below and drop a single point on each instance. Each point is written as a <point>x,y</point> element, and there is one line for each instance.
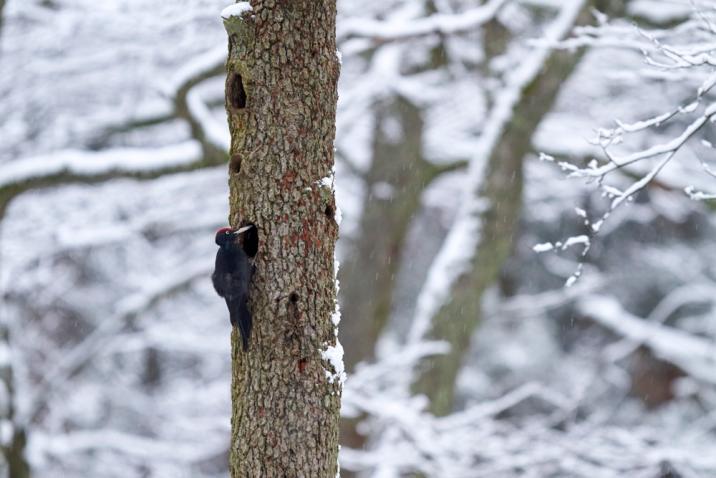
<point>281,95</point>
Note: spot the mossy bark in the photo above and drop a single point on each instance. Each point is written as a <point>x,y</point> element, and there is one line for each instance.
<point>281,98</point>
<point>502,189</point>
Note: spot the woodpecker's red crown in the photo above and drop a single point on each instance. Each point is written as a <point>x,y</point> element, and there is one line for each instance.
<point>224,236</point>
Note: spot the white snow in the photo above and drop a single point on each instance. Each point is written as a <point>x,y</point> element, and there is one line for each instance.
<point>571,241</point>
<point>544,247</point>
<point>661,12</point>
<point>236,10</point>
<point>196,67</point>
<point>83,163</point>
<point>7,430</point>
<point>437,23</point>
<point>334,356</point>
<point>216,133</point>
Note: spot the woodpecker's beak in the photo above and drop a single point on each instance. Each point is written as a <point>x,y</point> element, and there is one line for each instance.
<point>243,229</point>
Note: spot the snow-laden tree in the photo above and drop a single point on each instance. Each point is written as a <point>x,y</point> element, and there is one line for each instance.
<point>675,135</point>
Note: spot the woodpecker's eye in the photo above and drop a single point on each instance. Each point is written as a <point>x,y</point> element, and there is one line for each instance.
<point>227,233</point>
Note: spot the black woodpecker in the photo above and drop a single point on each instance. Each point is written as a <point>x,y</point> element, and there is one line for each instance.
<point>231,277</point>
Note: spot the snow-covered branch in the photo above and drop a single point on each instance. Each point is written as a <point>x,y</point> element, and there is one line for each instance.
<point>459,247</point>
<point>209,147</point>
<point>84,165</point>
<point>443,24</point>
<point>127,311</point>
<point>664,51</point>
<point>65,167</point>
<point>186,103</point>
<point>128,444</point>
<point>487,439</point>
<point>695,355</point>
<point>189,105</point>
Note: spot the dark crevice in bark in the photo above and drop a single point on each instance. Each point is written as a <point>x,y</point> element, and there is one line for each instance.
<point>235,164</point>
<point>250,241</point>
<point>330,212</point>
<point>237,93</point>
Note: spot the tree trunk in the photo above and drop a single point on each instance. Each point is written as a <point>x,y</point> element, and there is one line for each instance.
<point>2,7</point>
<point>502,189</point>
<point>400,170</point>
<point>281,95</point>
<point>14,449</point>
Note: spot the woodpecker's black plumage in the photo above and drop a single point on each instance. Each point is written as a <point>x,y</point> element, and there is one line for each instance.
<point>231,277</point>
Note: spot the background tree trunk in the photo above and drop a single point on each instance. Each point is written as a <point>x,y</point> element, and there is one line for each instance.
<point>372,266</point>
<point>502,189</point>
<point>2,7</point>
<point>281,102</point>
<point>14,449</point>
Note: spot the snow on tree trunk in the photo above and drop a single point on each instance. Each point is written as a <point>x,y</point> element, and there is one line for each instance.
<point>281,94</point>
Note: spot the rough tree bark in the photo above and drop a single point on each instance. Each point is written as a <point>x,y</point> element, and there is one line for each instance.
<point>281,95</point>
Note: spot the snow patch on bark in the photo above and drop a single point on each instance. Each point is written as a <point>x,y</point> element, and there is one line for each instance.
<point>334,353</point>
<point>236,10</point>
<point>334,356</point>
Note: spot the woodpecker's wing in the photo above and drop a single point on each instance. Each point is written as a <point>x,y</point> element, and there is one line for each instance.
<point>221,278</point>
<point>231,273</point>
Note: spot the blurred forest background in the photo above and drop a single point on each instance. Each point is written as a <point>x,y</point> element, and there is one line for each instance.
<point>527,258</point>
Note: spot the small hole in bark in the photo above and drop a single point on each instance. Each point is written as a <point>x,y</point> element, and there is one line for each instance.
<point>235,163</point>
<point>330,211</point>
<point>250,242</point>
<point>293,297</point>
<point>302,365</point>
<point>237,93</point>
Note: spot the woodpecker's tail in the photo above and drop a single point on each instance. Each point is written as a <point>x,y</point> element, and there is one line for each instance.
<point>241,317</point>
